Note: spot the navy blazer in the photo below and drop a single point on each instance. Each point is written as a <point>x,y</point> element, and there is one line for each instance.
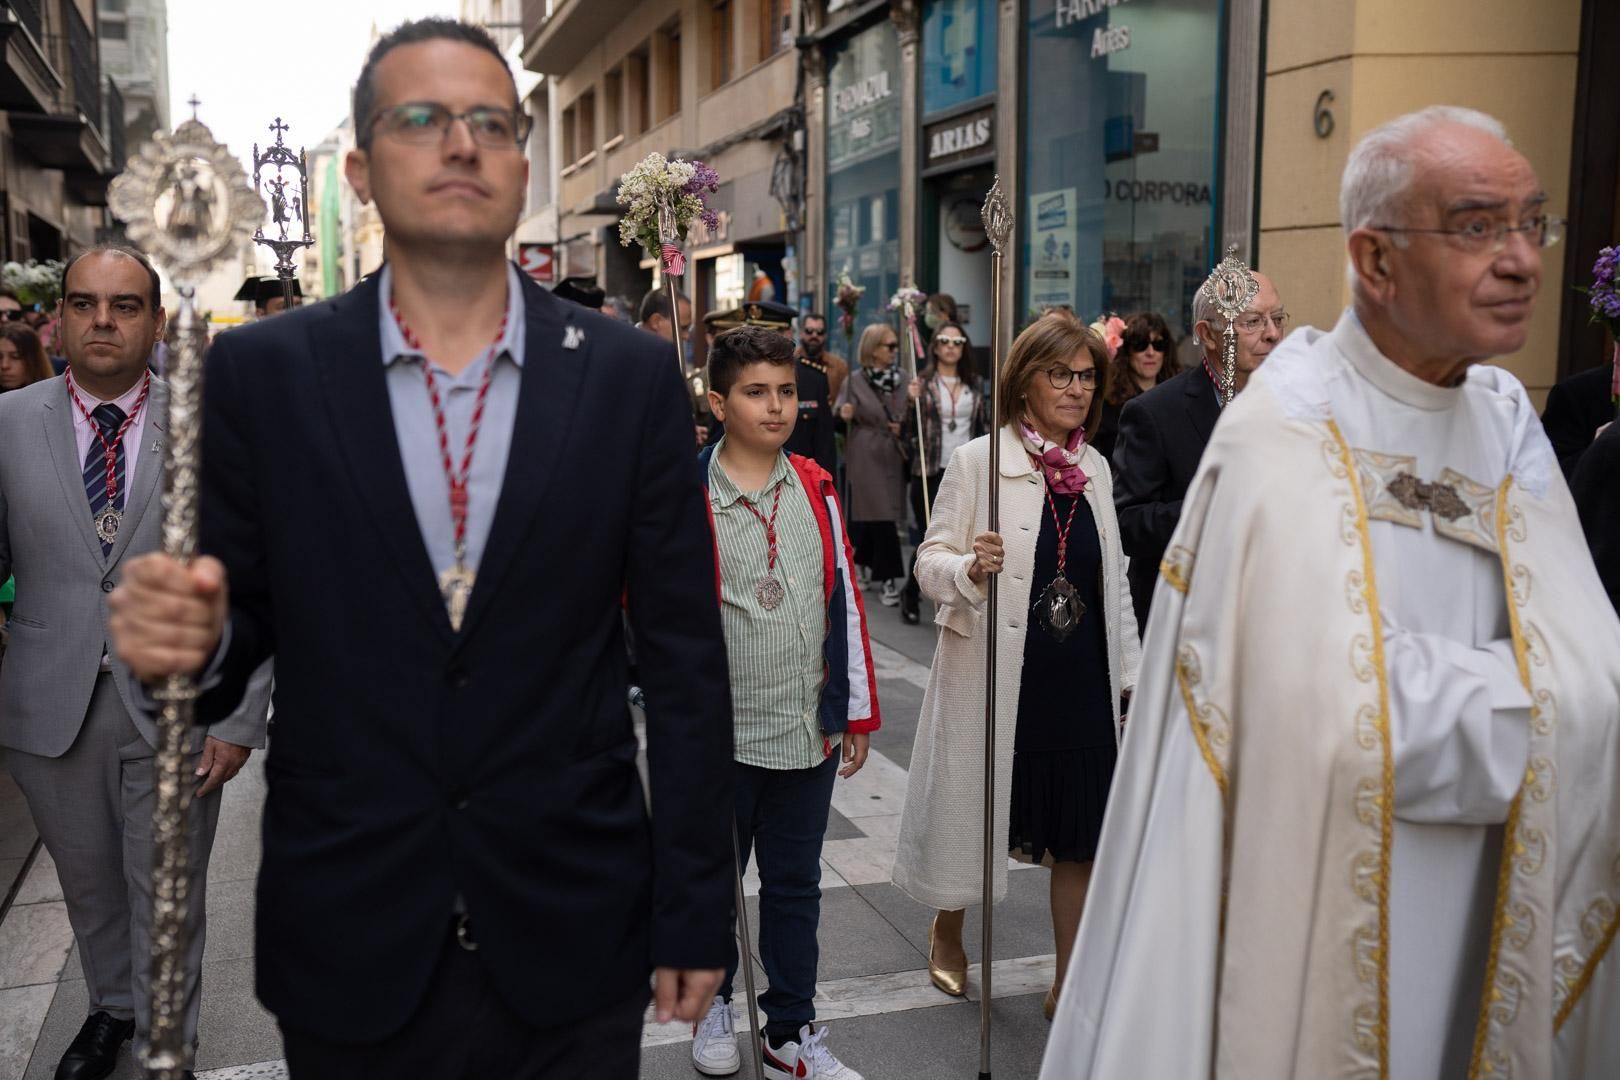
<point>411,765</point>
<point>1162,435</point>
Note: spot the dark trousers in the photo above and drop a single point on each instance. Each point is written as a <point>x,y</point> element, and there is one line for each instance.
<point>877,547</point>
<point>462,1030</point>
<point>782,816</point>
<point>912,591</point>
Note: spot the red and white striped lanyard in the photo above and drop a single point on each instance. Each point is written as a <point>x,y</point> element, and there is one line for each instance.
<point>456,479</point>
<point>110,449</point>
<point>769,523</point>
<point>1063,529</point>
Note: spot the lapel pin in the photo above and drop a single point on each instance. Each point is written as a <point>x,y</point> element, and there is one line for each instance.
<point>572,337</point>
<point>157,444</point>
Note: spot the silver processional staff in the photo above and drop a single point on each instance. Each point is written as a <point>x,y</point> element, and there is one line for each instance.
<point>184,200</point>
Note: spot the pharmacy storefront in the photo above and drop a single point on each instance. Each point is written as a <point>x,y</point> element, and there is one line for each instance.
<point>863,169</point>
<point>1121,140</point>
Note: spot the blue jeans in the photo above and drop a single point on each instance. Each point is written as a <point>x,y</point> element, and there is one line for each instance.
<point>783,814</point>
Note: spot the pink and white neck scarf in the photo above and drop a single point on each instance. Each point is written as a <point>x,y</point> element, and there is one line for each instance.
<point>1059,464</point>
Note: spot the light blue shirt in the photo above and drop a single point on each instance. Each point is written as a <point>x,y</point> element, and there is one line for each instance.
<point>418,435</point>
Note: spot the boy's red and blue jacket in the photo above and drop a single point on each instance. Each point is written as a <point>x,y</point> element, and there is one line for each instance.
<point>849,695</point>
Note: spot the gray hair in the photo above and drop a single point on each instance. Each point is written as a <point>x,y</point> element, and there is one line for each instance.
<point>1379,171</point>
<point>1204,309</point>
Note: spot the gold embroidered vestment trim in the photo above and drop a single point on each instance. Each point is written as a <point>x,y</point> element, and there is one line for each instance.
<point>1386,825</point>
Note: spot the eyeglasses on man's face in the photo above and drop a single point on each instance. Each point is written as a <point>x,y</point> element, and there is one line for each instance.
<point>889,345</point>
<point>1480,235</point>
<point>427,122</point>
<point>1061,377</point>
<point>951,339</point>
<point>14,315</point>
<point>1253,322</point>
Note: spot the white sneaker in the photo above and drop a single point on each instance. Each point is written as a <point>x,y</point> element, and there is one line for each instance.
<point>890,596</point>
<point>863,576</point>
<point>714,1041</point>
<point>807,1059</point>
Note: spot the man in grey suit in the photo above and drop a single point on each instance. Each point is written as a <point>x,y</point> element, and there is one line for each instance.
<point>81,462</point>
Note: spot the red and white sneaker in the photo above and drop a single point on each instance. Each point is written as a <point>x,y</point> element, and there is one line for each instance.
<point>714,1041</point>
<point>807,1059</point>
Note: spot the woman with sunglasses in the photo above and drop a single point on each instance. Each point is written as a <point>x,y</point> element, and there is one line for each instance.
<point>954,412</point>
<point>22,358</point>
<point>872,403</point>
<point>1066,640</point>
<point>1150,359</point>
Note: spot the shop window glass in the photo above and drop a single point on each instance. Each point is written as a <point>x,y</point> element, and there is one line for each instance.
<point>863,171</point>
<point>1122,142</point>
<point>959,52</point>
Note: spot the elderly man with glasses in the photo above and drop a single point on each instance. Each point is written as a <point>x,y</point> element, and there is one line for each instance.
<point>1163,431</point>
<point>1370,777</point>
<point>438,499</point>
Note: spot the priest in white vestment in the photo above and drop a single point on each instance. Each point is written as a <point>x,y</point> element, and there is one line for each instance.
<point>1366,820</point>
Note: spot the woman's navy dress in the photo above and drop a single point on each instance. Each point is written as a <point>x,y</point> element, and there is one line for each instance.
<point>1064,751</point>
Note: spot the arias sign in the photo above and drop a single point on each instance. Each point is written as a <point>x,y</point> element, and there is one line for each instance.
<point>960,137</point>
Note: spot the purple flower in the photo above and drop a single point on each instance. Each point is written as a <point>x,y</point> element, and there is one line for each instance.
<point>703,179</point>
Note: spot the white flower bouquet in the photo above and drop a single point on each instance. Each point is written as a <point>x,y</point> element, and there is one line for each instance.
<point>35,282</point>
<point>662,198</point>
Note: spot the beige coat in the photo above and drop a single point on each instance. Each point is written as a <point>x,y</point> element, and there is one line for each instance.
<point>941,839</point>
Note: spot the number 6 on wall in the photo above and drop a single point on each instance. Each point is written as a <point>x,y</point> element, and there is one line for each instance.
<point>1324,116</point>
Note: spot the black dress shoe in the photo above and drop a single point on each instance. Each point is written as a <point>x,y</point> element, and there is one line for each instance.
<point>93,1053</point>
<point>909,603</point>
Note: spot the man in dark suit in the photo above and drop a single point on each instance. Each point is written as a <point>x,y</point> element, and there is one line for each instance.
<point>1162,433</point>
<point>1596,490</point>
<point>460,877</point>
<point>1576,408</point>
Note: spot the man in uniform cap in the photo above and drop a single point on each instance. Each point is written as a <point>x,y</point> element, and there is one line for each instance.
<point>267,296</point>
<point>583,291</point>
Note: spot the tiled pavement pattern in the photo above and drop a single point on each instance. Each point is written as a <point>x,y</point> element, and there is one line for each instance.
<point>885,1018</point>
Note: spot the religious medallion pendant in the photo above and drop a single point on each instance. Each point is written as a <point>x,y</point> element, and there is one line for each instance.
<point>107,523</point>
<point>456,585</point>
<point>1059,609</point>
<point>951,426</point>
<point>769,592</point>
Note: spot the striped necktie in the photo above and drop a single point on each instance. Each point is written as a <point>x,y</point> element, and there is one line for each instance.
<point>108,418</point>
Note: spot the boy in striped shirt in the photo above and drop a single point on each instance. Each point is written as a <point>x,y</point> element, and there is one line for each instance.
<point>803,694</point>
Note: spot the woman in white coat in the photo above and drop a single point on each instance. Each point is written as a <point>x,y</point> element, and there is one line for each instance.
<point>1068,651</point>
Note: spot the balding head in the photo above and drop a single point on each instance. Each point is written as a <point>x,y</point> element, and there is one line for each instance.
<point>1379,172</point>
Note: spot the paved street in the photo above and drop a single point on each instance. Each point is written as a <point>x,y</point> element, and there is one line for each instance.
<point>885,1018</point>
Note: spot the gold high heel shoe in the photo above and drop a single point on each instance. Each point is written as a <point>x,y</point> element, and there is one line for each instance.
<point>951,982</point>
<point>1049,1007</point>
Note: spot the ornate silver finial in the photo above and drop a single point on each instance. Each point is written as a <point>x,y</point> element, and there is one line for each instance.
<point>1233,288</point>
<point>998,220</point>
<point>287,207</point>
<point>185,200</point>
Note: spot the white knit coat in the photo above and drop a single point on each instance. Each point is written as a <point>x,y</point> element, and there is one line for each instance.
<point>941,848</point>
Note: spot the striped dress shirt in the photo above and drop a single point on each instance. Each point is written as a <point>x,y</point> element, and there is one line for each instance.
<point>776,656</point>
